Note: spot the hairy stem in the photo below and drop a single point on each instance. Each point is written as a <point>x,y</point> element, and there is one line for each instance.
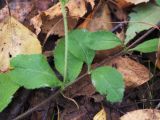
<point>66,40</point>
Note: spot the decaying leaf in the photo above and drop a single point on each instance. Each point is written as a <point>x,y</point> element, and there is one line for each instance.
<point>117,9</point>
<point>101,115</point>
<point>144,114</point>
<point>15,39</point>
<point>18,9</point>
<point>51,19</point>
<point>102,54</point>
<point>100,15</point>
<point>158,59</point>
<point>122,4</point>
<point>128,3</point>
<point>136,1</point>
<point>135,74</point>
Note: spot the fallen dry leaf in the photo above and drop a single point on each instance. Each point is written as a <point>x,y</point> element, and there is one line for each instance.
<point>127,3</point>
<point>144,114</point>
<point>136,1</point>
<point>102,54</point>
<point>122,4</point>
<point>101,15</point>
<point>51,19</point>
<point>19,10</point>
<point>83,87</point>
<point>101,115</point>
<point>117,9</point>
<point>134,73</point>
<point>15,39</point>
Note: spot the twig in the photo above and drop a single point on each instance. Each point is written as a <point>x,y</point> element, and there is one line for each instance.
<point>120,25</point>
<point>49,33</point>
<point>36,107</point>
<point>17,105</point>
<point>141,38</point>
<point>71,100</point>
<point>139,102</point>
<point>101,63</point>
<point>144,35</point>
<point>58,91</point>
<point>9,10</point>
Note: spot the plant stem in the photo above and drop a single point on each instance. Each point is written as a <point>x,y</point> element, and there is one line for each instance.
<point>66,40</point>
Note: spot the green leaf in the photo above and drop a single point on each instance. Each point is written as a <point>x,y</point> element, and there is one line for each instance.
<point>102,40</point>
<point>74,64</point>
<point>7,90</point>
<point>148,46</point>
<point>64,1</point>
<point>77,46</point>
<point>109,82</point>
<point>158,2</point>
<point>32,71</point>
<point>146,13</point>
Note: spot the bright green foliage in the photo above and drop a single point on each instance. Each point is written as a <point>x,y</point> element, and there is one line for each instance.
<point>83,43</point>
<point>77,46</point>
<point>109,82</point>
<point>102,40</point>
<point>74,64</point>
<point>32,71</point>
<point>7,90</point>
<point>158,2</point>
<point>148,46</point>
<point>64,1</point>
<point>146,13</point>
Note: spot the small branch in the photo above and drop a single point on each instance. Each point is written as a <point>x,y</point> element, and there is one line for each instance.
<point>144,35</point>
<point>18,104</point>
<point>141,38</point>
<point>70,99</point>
<point>59,91</point>
<point>120,25</point>
<point>36,107</point>
<point>8,7</point>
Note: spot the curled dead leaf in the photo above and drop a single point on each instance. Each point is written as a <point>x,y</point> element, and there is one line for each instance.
<point>101,115</point>
<point>101,15</point>
<point>51,19</point>
<point>136,1</point>
<point>19,10</point>
<point>122,4</point>
<point>15,39</point>
<point>144,114</point>
<point>134,73</point>
<point>127,3</point>
<point>117,9</point>
<point>102,54</point>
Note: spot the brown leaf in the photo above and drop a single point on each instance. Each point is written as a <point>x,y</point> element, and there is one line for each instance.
<point>19,10</point>
<point>102,54</point>
<point>122,4</point>
<point>51,20</point>
<point>16,39</point>
<point>144,114</point>
<point>127,3</point>
<point>136,1</point>
<point>99,19</point>
<point>134,73</point>
<point>81,87</point>
<point>101,115</point>
<point>117,9</point>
